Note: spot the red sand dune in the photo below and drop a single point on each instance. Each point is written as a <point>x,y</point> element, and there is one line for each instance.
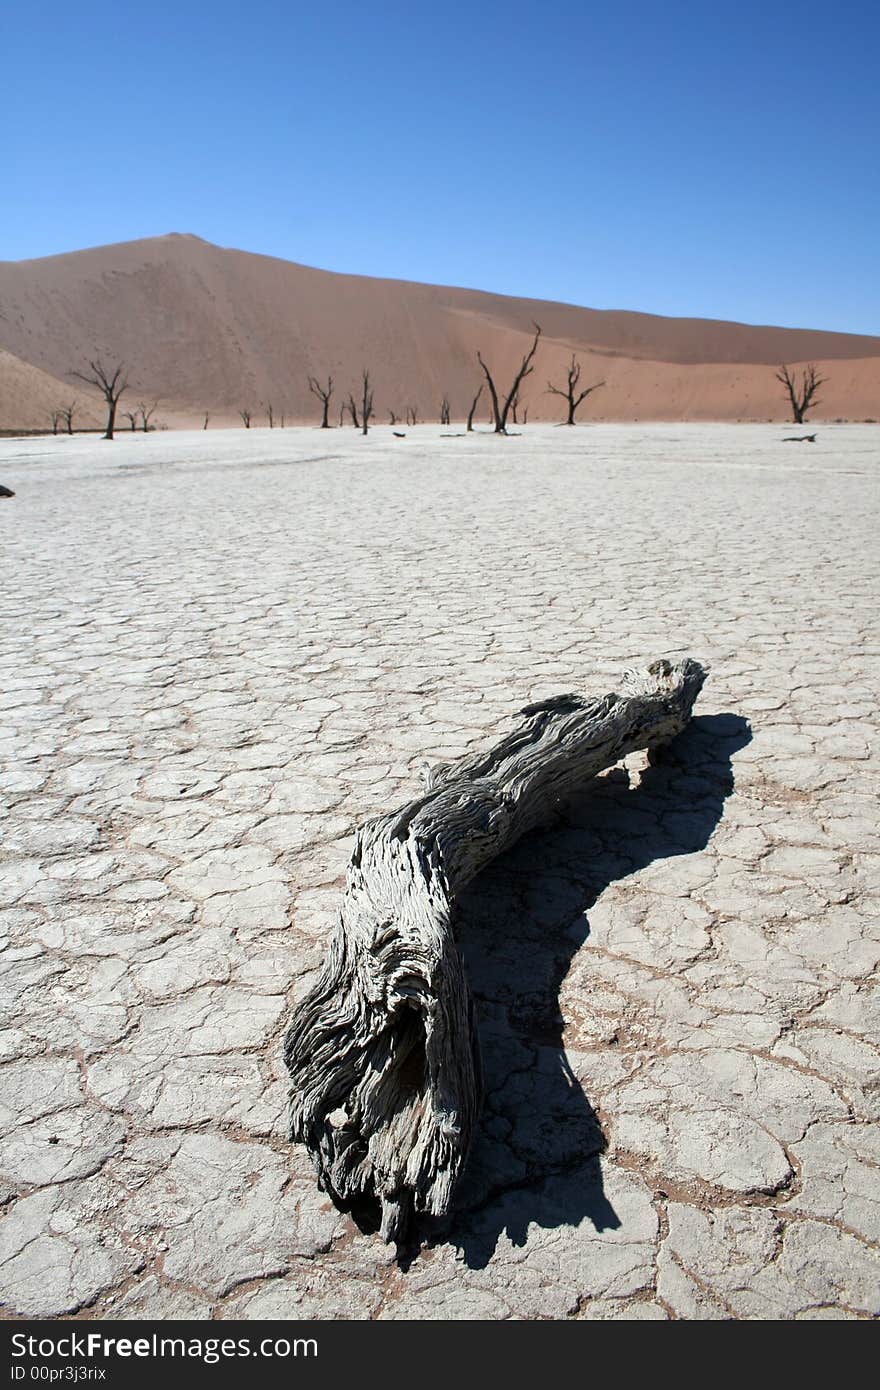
<point>204,328</point>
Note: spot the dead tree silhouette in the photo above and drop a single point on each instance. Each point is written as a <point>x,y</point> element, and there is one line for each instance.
<point>801,397</point>
<point>323,394</point>
<point>111,382</point>
<point>470,416</point>
<point>501,411</point>
<point>570,392</point>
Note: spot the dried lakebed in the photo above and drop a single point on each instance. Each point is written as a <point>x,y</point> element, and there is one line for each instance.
<point>223,651</point>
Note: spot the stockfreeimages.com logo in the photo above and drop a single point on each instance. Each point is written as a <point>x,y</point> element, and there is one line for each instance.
<point>94,1346</point>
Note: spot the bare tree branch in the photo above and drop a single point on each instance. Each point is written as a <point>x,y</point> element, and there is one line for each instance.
<point>147,413</point>
<point>366,401</point>
<point>323,394</point>
<point>571,393</point>
<point>111,382</point>
<point>801,398</point>
<point>470,418</point>
<point>501,412</point>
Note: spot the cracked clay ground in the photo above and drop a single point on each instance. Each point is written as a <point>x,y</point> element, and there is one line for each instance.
<point>222,651</point>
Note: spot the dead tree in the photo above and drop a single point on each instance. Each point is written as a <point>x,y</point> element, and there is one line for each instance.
<point>271,415</point>
<point>500,412</point>
<point>470,417</point>
<point>412,415</point>
<point>56,418</point>
<point>570,392</point>
<point>147,413</point>
<point>246,416</point>
<point>444,411</point>
<point>111,382</point>
<point>801,398</point>
<point>68,413</point>
<point>323,394</point>
<point>382,1052</point>
<point>366,401</point>
<point>393,417</point>
<point>132,417</point>
<point>352,408</point>
<point>207,418</point>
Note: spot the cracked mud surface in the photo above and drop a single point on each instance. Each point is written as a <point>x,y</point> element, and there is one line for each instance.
<point>223,651</point>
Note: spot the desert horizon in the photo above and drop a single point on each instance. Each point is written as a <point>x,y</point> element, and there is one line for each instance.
<point>204,329</point>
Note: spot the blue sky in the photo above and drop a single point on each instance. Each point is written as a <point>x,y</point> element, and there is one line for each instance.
<point>700,159</point>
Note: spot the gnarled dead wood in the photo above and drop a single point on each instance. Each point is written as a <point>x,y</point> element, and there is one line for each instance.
<point>383,1053</point>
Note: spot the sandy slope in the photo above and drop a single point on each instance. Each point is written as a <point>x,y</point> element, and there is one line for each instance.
<point>28,396</point>
<point>205,328</point>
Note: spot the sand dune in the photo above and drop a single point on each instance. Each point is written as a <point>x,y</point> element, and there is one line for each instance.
<point>205,328</point>
<point>28,396</point>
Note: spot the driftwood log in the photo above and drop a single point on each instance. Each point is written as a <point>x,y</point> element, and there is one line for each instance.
<point>382,1052</point>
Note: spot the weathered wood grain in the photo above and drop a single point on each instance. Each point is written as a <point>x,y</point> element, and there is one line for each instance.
<point>382,1053</point>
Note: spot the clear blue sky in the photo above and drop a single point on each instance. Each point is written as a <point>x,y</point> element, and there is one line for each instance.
<point>685,158</point>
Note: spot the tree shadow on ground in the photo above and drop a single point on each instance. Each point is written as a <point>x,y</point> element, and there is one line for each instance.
<point>536,1156</point>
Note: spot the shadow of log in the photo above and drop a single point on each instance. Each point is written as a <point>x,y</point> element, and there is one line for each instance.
<point>536,1156</point>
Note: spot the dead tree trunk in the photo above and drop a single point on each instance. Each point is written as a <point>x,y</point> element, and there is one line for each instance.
<point>500,412</point>
<point>570,394</point>
<point>382,1053</point>
<point>353,412</point>
<point>366,401</point>
<point>802,397</point>
<point>324,393</point>
<point>68,413</point>
<point>111,382</point>
<point>470,418</point>
<point>444,411</point>
<point>147,413</point>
